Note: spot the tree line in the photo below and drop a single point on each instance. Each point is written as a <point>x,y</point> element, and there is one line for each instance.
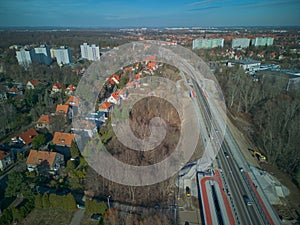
<point>274,113</point>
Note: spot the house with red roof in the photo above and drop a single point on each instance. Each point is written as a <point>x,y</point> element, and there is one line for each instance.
<point>5,160</point>
<point>72,101</point>
<point>63,139</point>
<point>63,110</point>
<point>57,87</point>
<point>31,84</point>
<point>114,98</point>
<point>44,161</point>
<point>45,121</point>
<point>27,136</point>
<point>105,107</point>
<point>70,89</point>
<point>114,79</point>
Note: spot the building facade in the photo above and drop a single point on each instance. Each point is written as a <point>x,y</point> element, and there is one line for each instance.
<point>240,43</point>
<point>42,55</point>
<point>90,52</point>
<point>62,55</point>
<point>208,43</point>
<point>262,41</point>
<point>25,56</point>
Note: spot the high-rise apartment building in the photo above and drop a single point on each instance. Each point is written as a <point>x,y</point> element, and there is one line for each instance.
<point>25,56</point>
<point>208,43</point>
<point>90,52</point>
<point>262,41</point>
<point>240,43</point>
<point>42,55</point>
<point>62,55</point>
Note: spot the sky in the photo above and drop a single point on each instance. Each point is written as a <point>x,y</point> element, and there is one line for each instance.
<point>149,13</point>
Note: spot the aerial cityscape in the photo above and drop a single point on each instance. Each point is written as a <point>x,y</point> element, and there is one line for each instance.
<point>135,112</point>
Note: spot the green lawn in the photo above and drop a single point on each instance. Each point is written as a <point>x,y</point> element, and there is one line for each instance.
<point>48,217</point>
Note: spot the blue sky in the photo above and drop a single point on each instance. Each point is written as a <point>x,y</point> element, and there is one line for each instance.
<point>150,13</point>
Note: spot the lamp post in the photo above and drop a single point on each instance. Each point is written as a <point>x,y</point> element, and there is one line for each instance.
<point>108,204</point>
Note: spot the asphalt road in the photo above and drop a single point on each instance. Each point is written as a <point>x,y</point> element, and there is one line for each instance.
<point>248,215</point>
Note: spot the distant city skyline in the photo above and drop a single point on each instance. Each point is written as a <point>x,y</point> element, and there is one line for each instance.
<point>141,13</point>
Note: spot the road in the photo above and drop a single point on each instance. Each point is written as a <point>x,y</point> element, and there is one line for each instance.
<point>256,214</point>
<point>77,217</point>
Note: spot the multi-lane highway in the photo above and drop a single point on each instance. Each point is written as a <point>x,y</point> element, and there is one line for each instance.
<point>233,176</point>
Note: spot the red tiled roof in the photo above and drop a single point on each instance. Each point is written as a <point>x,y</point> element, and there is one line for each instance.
<point>71,87</point>
<point>36,157</point>
<point>3,154</point>
<point>28,136</point>
<point>105,105</point>
<point>34,82</point>
<point>44,119</point>
<point>72,101</point>
<point>64,139</point>
<point>57,85</point>
<point>62,109</point>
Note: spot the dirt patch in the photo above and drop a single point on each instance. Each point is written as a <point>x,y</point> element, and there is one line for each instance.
<point>291,209</point>
<point>239,128</point>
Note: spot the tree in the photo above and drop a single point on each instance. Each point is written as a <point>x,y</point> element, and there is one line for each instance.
<point>16,185</point>
<point>74,150</point>
<point>38,141</point>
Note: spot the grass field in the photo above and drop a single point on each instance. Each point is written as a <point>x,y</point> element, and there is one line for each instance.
<point>48,217</point>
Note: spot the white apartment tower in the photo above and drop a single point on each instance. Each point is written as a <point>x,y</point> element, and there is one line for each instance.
<point>25,57</point>
<point>90,52</point>
<point>62,55</point>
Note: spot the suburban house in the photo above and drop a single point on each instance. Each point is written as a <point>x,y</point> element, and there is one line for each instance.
<point>44,161</point>
<point>114,79</point>
<point>106,107</point>
<point>57,87</point>
<point>63,139</point>
<point>28,136</point>
<point>44,122</point>
<point>62,110</point>
<point>5,160</point>
<point>32,84</point>
<point>70,89</point>
<point>72,101</point>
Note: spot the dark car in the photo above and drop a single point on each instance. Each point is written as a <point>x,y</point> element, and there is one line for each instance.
<point>226,154</point>
<point>96,217</point>
<point>247,200</point>
<point>188,191</point>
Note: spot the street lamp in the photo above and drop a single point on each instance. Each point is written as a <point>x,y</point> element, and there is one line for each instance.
<point>108,204</point>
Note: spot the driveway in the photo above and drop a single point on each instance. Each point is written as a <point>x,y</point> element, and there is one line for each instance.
<point>77,217</point>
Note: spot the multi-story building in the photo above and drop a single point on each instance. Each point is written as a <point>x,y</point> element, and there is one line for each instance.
<point>25,56</point>
<point>42,55</point>
<point>240,43</point>
<point>262,41</point>
<point>90,52</point>
<point>62,55</point>
<point>208,43</point>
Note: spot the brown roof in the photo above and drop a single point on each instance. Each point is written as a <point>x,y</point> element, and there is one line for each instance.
<point>72,101</point>
<point>3,154</point>
<point>37,157</point>
<point>62,109</point>
<point>64,139</point>
<point>57,85</point>
<point>44,119</point>
<point>28,136</point>
<point>34,82</point>
<point>105,105</point>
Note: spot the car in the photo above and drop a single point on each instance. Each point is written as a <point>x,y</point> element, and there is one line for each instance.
<point>241,169</point>
<point>247,200</point>
<point>96,217</point>
<point>226,154</point>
